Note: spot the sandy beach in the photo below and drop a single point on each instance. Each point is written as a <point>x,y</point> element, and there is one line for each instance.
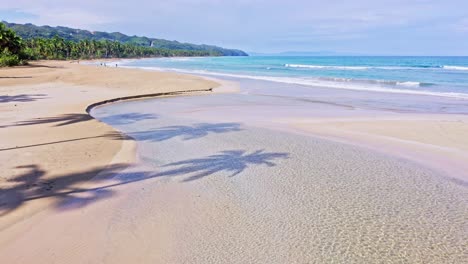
<point>219,179</point>
<point>437,142</point>
<point>49,140</point>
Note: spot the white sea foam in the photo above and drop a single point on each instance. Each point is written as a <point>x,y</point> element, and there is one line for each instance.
<point>339,67</point>
<point>326,67</point>
<point>337,83</point>
<point>409,84</point>
<point>181,58</point>
<point>457,68</point>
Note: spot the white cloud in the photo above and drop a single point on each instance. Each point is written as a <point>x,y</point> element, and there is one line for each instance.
<point>253,24</point>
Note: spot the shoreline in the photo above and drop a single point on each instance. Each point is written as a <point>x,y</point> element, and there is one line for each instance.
<point>439,146</point>
<point>141,96</point>
<point>50,140</point>
<point>360,85</point>
<point>56,147</point>
<point>270,189</point>
<point>298,126</point>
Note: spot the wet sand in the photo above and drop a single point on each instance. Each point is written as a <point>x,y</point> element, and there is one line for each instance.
<point>240,191</point>
<point>223,179</point>
<point>439,143</point>
<point>49,145</point>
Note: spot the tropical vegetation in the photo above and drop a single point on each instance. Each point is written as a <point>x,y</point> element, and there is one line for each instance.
<point>30,31</point>
<point>14,50</point>
<point>58,48</point>
<point>11,47</point>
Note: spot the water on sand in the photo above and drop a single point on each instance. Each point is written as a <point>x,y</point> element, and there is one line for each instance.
<point>237,190</point>
<point>445,76</point>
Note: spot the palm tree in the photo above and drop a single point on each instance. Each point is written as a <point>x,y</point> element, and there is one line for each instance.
<point>9,41</point>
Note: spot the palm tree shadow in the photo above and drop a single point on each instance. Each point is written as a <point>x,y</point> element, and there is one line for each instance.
<point>61,120</point>
<point>110,135</point>
<point>65,190</point>
<point>41,66</point>
<point>128,118</point>
<point>15,77</point>
<point>69,119</point>
<point>21,97</point>
<point>185,132</point>
<point>229,161</point>
<point>25,183</point>
<point>68,192</point>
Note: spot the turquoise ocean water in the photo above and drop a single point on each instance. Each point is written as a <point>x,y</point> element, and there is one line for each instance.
<point>445,76</point>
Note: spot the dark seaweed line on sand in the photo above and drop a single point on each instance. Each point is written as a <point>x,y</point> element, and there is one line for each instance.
<point>91,106</point>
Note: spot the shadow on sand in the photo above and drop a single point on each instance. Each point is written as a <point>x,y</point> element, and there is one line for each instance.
<point>185,132</point>
<point>21,98</point>
<point>69,119</point>
<point>40,66</point>
<point>69,192</point>
<point>31,185</point>
<point>15,77</point>
<point>230,161</point>
<point>62,120</point>
<point>111,135</point>
<point>125,119</point>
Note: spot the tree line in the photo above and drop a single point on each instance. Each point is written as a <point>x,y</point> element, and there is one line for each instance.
<point>58,48</point>
<point>16,51</point>
<point>30,31</point>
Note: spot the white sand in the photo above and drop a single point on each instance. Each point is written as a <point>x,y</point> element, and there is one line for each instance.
<point>209,190</point>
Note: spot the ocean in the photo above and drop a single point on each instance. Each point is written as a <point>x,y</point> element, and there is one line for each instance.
<point>311,160</point>
<point>280,172</point>
<point>440,76</point>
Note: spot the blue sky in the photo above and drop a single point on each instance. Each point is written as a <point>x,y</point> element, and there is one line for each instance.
<point>374,27</point>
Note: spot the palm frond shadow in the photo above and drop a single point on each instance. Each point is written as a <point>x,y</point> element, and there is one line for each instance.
<point>31,185</point>
<point>61,120</point>
<point>128,118</point>
<point>185,132</point>
<point>21,97</point>
<point>70,119</point>
<point>67,191</point>
<point>110,135</point>
<point>232,162</point>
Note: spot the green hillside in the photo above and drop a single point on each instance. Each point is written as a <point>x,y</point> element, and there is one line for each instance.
<point>30,31</point>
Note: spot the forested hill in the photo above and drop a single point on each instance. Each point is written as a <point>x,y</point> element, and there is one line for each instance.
<point>29,31</point>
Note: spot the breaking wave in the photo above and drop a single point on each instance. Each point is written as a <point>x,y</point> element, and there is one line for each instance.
<point>339,67</point>
<point>336,83</point>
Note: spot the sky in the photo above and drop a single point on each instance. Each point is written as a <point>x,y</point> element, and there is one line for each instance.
<point>367,27</point>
